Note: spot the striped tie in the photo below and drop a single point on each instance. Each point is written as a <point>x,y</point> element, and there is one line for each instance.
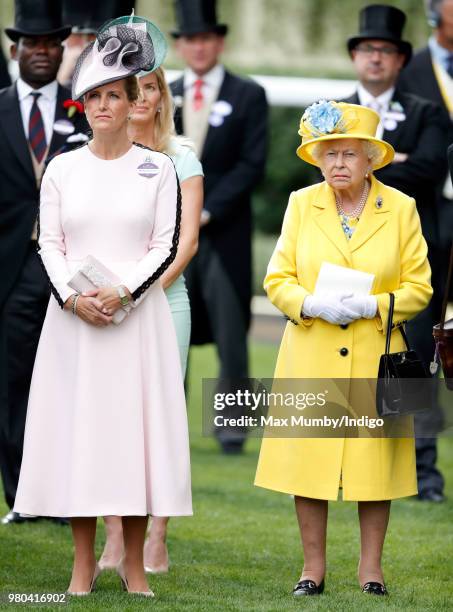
<point>36,133</point>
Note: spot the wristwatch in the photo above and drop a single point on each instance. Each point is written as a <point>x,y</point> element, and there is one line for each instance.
<point>123,297</point>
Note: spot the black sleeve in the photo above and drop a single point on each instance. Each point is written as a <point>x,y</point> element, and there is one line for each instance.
<point>427,162</point>
<point>249,168</point>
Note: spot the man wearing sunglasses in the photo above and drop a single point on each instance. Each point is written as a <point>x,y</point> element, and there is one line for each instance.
<point>417,129</point>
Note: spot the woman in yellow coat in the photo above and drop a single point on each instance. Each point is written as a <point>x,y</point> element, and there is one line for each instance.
<point>354,221</point>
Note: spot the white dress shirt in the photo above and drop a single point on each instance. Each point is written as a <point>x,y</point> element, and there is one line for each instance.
<point>212,82</point>
<point>47,102</point>
<point>380,104</point>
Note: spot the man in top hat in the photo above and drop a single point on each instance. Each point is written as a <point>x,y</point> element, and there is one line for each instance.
<point>430,74</point>
<point>416,129</point>
<point>34,125</point>
<point>86,17</point>
<point>226,117</point>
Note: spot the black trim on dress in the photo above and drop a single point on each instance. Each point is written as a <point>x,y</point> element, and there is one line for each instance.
<point>175,241</point>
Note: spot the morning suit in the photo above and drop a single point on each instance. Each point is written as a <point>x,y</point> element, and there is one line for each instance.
<point>419,78</point>
<point>387,243</point>
<point>24,292</point>
<point>233,159</point>
<point>422,134</point>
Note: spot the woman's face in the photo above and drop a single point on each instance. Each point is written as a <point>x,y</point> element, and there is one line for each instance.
<point>344,163</point>
<point>107,107</point>
<point>149,99</point>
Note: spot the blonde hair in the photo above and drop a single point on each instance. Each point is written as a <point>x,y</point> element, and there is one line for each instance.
<point>164,126</point>
<point>165,136</point>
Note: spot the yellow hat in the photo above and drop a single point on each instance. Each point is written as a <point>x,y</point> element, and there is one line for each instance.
<point>335,120</point>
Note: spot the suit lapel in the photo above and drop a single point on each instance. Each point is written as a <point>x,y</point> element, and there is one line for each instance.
<point>58,140</point>
<point>429,76</point>
<point>224,94</point>
<point>177,89</point>
<point>394,136</point>
<point>326,217</point>
<point>11,121</point>
<point>354,99</point>
<point>374,216</point>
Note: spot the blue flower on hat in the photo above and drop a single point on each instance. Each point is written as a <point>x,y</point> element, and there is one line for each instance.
<point>323,116</point>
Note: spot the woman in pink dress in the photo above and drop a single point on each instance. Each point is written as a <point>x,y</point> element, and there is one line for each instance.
<point>106,430</point>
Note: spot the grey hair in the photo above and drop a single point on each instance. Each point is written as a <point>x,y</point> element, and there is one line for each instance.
<point>371,150</point>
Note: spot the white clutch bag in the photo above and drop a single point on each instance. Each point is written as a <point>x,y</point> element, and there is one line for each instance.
<point>92,275</point>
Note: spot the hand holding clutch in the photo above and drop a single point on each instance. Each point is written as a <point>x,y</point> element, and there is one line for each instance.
<point>331,308</point>
<point>94,275</point>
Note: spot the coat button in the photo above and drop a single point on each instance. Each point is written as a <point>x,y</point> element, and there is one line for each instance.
<point>344,326</point>
<point>344,351</point>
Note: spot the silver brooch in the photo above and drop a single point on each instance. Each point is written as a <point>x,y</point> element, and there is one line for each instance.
<point>379,202</point>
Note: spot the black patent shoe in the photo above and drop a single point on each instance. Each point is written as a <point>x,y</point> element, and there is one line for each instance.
<point>308,587</point>
<point>374,588</point>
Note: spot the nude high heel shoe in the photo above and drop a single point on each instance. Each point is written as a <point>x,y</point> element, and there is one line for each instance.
<point>97,571</point>
<point>121,573</point>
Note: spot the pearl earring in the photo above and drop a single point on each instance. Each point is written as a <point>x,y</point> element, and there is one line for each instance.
<point>159,109</point>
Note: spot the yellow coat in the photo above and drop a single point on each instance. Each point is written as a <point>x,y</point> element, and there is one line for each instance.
<point>388,243</point>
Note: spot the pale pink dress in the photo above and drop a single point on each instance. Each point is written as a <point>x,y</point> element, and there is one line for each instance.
<point>106,430</point>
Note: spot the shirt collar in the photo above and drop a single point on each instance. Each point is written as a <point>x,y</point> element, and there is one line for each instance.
<point>213,78</point>
<point>48,91</point>
<point>384,98</point>
<point>439,53</point>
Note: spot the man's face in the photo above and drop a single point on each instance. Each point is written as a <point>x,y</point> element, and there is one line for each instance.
<point>377,62</point>
<point>39,58</point>
<point>445,29</point>
<point>200,51</point>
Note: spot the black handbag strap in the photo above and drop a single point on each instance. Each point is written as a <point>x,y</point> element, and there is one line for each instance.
<point>390,327</point>
<point>447,290</point>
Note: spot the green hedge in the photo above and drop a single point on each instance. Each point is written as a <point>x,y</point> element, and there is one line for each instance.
<point>285,172</point>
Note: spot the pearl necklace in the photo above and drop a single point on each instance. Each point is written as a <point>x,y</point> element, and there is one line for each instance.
<point>357,211</point>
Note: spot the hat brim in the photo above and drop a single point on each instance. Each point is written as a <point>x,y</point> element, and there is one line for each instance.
<point>14,34</point>
<point>304,151</point>
<point>221,29</point>
<point>404,47</point>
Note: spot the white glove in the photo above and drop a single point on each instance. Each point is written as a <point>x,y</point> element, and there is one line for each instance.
<point>364,305</point>
<point>331,308</point>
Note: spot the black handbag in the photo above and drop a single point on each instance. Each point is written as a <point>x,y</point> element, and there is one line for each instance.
<point>402,386</point>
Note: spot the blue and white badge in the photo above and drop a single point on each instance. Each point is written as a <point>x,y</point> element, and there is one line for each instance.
<point>148,169</point>
<point>178,101</point>
<point>63,127</point>
<point>215,119</point>
<point>222,107</point>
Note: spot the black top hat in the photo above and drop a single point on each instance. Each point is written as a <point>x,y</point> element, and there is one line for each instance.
<point>382,22</point>
<point>38,18</point>
<point>197,17</point>
<point>87,16</point>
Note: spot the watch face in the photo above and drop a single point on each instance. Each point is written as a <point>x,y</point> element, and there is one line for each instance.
<point>124,301</point>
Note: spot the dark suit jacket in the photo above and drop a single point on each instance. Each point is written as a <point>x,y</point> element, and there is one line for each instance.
<point>19,195</point>
<point>423,136</point>
<point>233,159</point>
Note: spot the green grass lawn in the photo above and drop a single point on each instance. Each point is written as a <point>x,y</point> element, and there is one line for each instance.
<point>241,549</point>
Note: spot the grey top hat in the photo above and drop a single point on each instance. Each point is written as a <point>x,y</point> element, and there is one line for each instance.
<point>38,18</point>
<point>197,17</point>
<point>382,22</point>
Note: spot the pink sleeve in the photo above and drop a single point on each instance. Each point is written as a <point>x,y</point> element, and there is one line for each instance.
<point>165,234</point>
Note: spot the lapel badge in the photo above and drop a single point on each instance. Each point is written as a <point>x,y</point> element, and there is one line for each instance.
<point>379,202</point>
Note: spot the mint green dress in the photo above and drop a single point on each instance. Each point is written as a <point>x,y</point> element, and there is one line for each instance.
<point>187,165</point>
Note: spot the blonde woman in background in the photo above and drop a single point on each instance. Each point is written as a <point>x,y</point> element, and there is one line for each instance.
<point>151,124</point>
